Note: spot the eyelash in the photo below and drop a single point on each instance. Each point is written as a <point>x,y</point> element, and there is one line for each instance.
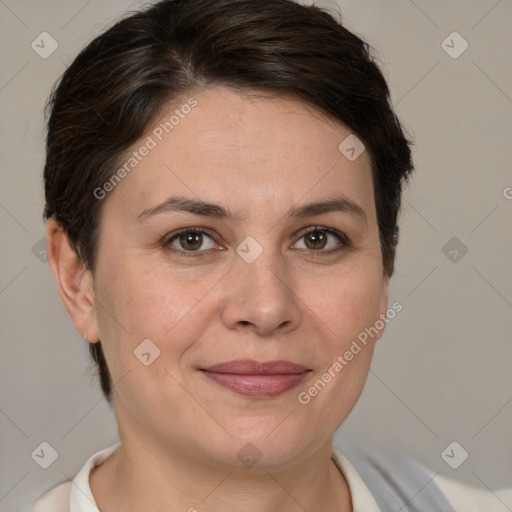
<point>345,242</point>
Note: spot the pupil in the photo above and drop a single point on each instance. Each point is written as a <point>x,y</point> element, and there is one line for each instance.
<point>315,240</point>
<point>192,240</point>
<point>317,237</point>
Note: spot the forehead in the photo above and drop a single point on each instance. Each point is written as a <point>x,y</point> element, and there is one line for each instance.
<point>243,150</point>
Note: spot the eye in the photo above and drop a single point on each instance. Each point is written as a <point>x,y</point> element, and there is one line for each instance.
<point>317,239</point>
<point>188,241</point>
<point>191,240</point>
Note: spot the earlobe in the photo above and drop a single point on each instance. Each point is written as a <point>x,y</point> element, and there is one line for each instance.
<point>73,280</point>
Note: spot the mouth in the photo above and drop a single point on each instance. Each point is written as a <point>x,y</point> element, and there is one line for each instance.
<point>257,379</point>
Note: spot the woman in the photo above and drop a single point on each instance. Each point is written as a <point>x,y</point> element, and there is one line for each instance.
<point>222,183</point>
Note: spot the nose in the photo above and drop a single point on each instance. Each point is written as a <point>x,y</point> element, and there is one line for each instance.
<point>260,297</point>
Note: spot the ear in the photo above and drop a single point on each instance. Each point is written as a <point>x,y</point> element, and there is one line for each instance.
<point>74,281</point>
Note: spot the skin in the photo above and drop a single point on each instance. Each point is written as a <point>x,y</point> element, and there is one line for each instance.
<point>181,431</point>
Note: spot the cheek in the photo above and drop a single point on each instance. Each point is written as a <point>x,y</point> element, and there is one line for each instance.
<point>350,304</point>
<point>135,303</point>
<point>349,308</point>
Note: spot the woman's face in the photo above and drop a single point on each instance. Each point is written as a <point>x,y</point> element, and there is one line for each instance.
<point>245,282</point>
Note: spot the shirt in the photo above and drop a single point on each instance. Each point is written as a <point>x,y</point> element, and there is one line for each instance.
<point>76,495</point>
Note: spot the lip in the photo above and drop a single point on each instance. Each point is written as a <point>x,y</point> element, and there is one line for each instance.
<point>255,378</point>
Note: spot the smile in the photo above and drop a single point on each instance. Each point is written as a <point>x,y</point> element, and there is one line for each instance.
<point>257,379</point>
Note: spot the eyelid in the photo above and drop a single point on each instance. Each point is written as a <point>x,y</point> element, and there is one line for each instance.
<point>343,241</point>
<point>342,238</point>
<point>167,240</point>
<point>338,234</point>
<point>192,229</point>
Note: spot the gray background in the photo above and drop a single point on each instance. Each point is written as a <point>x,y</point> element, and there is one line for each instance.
<point>441,372</point>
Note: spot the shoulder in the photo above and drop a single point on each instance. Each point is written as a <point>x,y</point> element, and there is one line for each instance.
<point>396,480</point>
<point>73,495</point>
<point>55,500</point>
<point>467,498</point>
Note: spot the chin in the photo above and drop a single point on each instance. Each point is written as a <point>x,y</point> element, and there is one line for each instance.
<point>273,449</point>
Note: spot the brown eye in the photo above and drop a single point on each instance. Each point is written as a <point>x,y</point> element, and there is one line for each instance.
<point>323,240</point>
<point>191,240</point>
<point>315,240</point>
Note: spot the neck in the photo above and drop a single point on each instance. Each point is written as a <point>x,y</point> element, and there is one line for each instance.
<point>141,476</point>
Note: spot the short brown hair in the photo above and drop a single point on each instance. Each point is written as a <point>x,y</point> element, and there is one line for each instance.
<point>120,81</point>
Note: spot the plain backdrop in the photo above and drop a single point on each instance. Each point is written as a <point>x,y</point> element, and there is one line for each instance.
<point>441,372</point>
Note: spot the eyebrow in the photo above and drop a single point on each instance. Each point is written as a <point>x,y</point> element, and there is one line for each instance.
<point>207,209</point>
